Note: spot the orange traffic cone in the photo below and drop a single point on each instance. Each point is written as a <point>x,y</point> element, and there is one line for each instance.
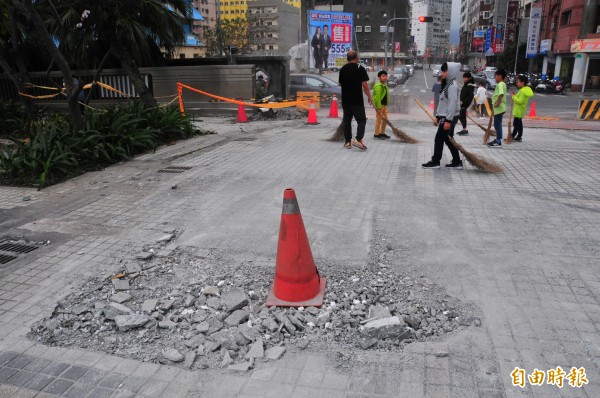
<point>333,111</point>
<point>241,116</point>
<point>431,105</point>
<point>532,110</point>
<point>312,113</point>
<point>297,282</point>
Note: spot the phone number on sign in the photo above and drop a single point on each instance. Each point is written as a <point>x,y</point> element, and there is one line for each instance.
<point>339,49</point>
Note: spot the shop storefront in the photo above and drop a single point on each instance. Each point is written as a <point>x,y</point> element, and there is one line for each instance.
<point>586,65</point>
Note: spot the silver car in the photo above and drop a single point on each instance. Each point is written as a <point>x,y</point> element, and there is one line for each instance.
<point>437,70</point>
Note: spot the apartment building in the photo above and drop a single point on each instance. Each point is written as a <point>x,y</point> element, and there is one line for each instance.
<point>276,28</point>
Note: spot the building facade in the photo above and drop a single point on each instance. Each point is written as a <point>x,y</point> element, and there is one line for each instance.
<point>432,40</point>
<point>276,27</point>
<point>570,33</point>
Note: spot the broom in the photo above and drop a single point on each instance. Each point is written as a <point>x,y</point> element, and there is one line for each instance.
<point>475,160</point>
<point>401,135</point>
<point>339,133</point>
<point>486,131</point>
<point>509,137</point>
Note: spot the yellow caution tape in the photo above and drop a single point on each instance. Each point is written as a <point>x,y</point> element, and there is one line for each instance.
<point>275,105</point>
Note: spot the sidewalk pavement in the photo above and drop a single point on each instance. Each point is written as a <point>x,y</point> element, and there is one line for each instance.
<point>520,247</point>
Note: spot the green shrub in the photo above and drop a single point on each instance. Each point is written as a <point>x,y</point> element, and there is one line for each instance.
<point>53,151</point>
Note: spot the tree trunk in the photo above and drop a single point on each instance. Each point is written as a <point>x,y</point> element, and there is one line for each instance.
<point>63,65</point>
<point>134,74</point>
<point>19,84</point>
<point>97,74</point>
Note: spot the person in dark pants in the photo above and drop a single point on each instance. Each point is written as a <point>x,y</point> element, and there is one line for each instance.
<point>435,89</point>
<point>520,101</point>
<point>466,98</point>
<point>446,118</point>
<point>354,81</point>
<point>325,47</point>
<point>316,46</point>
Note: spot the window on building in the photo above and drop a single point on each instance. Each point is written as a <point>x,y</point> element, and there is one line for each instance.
<point>358,15</point>
<point>565,18</point>
<point>367,29</point>
<point>358,28</point>
<point>271,48</point>
<point>196,55</point>
<point>359,42</point>
<point>182,56</point>
<point>367,42</point>
<point>367,15</point>
<point>485,15</point>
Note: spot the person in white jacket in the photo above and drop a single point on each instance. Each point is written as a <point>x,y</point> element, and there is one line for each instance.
<point>447,117</point>
<point>480,98</point>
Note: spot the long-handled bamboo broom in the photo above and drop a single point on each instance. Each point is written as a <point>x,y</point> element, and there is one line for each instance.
<point>475,160</point>
<point>338,135</point>
<point>509,137</point>
<point>400,134</point>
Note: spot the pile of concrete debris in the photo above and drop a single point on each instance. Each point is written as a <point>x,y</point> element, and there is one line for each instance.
<point>193,308</point>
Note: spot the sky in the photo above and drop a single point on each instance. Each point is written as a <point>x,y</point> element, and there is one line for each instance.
<point>455,24</point>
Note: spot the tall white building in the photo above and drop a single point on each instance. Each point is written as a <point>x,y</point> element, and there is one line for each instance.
<point>432,38</point>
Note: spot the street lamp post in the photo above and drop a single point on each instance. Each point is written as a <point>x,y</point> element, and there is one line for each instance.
<point>385,62</point>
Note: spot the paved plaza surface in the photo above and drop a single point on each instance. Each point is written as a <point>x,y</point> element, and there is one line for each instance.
<point>520,249</point>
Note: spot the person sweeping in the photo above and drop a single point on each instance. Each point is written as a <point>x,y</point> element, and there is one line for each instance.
<point>446,118</point>
<point>380,102</point>
<point>520,101</point>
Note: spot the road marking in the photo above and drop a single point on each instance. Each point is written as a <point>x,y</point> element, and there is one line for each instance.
<point>425,77</point>
<point>405,90</point>
<point>423,91</point>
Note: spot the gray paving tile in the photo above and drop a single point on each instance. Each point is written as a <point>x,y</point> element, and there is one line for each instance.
<point>6,373</point>
<point>20,378</point>
<point>100,392</point>
<point>55,368</point>
<point>78,390</point>
<point>6,357</point>
<point>58,386</point>
<point>74,372</point>
<point>38,382</point>
<point>112,380</point>
<point>19,362</point>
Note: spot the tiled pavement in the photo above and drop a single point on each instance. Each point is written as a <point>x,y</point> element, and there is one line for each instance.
<point>521,247</point>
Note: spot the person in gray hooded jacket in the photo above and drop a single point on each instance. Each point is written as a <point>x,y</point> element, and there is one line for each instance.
<point>447,116</point>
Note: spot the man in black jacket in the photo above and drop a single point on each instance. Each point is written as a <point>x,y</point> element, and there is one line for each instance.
<point>466,98</point>
<point>325,47</point>
<point>354,81</point>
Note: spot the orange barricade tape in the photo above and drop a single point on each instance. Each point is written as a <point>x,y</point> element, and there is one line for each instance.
<point>276,105</point>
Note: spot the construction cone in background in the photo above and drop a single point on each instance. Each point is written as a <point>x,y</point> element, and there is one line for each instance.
<point>431,105</point>
<point>241,116</point>
<point>333,111</point>
<point>532,110</point>
<point>312,113</point>
<point>297,281</point>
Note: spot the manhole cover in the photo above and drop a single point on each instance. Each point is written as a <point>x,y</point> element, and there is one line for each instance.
<point>5,258</point>
<point>245,139</point>
<point>16,247</point>
<point>174,169</point>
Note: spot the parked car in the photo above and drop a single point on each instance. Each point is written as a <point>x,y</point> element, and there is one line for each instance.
<point>401,74</point>
<point>488,78</point>
<point>367,67</point>
<point>411,70</point>
<point>437,70</point>
<point>310,82</point>
<point>490,69</point>
<point>335,68</point>
<point>418,65</point>
<point>465,68</point>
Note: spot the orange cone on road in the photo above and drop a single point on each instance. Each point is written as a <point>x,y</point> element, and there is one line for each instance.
<point>297,281</point>
<point>532,110</point>
<point>431,105</point>
<point>312,113</point>
<point>241,116</point>
<point>333,111</point>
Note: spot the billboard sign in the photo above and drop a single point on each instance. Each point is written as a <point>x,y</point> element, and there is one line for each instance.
<point>499,43</point>
<point>330,38</point>
<point>533,36</point>
<point>512,13</point>
<point>479,34</point>
<point>545,46</point>
<point>585,46</point>
<point>397,47</point>
<point>488,43</point>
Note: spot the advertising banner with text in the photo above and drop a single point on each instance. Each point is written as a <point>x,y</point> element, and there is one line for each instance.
<point>330,38</point>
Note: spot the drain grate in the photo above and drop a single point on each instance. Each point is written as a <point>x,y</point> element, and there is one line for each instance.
<point>174,169</point>
<point>16,247</point>
<point>245,139</point>
<point>5,258</point>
